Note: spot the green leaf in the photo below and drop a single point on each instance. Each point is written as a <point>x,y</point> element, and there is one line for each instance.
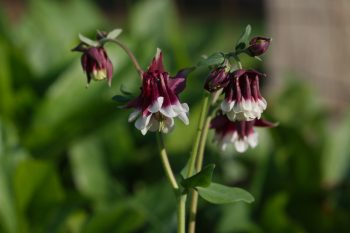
<point>120,98</point>
<point>243,40</point>
<point>220,194</point>
<point>214,59</point>
<point>88,41</point>
<point>114,33</point>
<point>201,179</point>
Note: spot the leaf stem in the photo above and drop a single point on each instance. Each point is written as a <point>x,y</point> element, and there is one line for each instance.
<point>128,52</point>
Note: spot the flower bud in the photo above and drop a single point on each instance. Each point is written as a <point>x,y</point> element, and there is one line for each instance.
<point>95,63</point>
<point>258,45</point>
<point>217,79</point>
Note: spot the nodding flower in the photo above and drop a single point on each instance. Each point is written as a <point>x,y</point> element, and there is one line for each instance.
<point>243,100</point>
<point>95,63</point>
<point>217,79</point>
<point>158,103</point>
<point>241,134</point>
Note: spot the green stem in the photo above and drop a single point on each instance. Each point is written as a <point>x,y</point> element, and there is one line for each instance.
<point>128,52</point>
<point>204,111</point>
<point>199,164</point>
<point>181,198</point>
<point>166,164</point>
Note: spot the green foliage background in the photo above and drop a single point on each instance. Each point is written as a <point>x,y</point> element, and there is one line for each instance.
<point>70,162</point>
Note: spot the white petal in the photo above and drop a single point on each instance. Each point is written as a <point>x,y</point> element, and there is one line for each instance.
<point>238,107</point>
<point>223,146</point>
<point>241,145</point>
<point>142,122</point>
<point>227,106</point>
<point>156,105</point>
<point>133,115</point>
<point>144,131</point>
<point>184,118</point>
<point>168,111</point>
<point>253,139</point>
<point>246,104</point>
<point>185,107</point>
<point>262,103</point>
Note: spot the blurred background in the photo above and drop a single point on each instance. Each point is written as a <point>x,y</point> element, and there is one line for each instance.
<point>70,162</point>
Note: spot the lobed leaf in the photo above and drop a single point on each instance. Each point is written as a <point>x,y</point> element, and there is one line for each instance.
<point>243,40</point>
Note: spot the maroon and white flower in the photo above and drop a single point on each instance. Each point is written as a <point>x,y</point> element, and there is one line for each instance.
<point>95,63</point>
<point>239,133</point>
<point>158,104</point>
<point>243,101</point>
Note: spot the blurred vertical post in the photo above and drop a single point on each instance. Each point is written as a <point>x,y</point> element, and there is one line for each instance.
<point>311,41</point>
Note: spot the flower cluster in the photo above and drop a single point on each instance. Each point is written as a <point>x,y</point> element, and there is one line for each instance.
<point>158,103</point>
<point>243,103</point>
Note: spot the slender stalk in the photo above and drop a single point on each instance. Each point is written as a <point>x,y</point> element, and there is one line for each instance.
<point>204,112</point>
<point>181,198</point>
<point>128,52</point>
<point>199,164</point>
<point>166,164</point>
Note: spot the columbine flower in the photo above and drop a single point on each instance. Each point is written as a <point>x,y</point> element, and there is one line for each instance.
<point>217,79</point>
<point>95,63</point>
<point>158,102</point>
<point>258,45</point>
<point>239,133</point>
<point>243,100</point>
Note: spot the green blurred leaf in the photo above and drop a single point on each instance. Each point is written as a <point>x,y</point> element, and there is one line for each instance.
<point>201,179</point>
<point>89,170</point>
<point>220,194</point>
<point>336,157</point>
<point>243,40</point>
<point>42,181</point>
<point>114,33</point>
<point>119,218</point>
<point>213,60</point>
<point>88,41</point>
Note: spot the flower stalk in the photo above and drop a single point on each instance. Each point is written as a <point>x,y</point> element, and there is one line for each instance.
<point>181,198</point>
<point>128,52</point>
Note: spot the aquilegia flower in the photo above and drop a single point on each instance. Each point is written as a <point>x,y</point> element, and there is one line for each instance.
<point>217,79</point>
<point>158,104</point>
<point>239,133</point>
<point>258,45</point>
<point>243,100</point>
<point>95,63</point>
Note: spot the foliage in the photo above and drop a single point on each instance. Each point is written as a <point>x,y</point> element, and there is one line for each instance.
<point>69,162</point>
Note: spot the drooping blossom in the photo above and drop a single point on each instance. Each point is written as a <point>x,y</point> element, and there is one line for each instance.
<point>258,45</point>
<point>241,134</point>
<point>95,63</point>
<point>158,103</point>
<point>243,100</point>
<point>217,79</point>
